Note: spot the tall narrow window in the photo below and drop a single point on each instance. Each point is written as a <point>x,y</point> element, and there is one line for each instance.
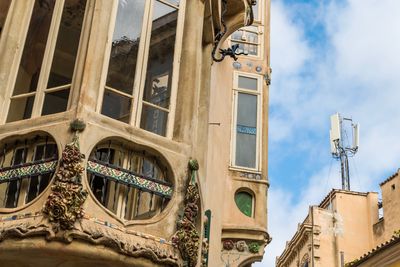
<point>39,89</point>
<point>155,50</point>
<point>157,91</point>
<point>247,91</point>
<point>4,6</point>
<point>118,95</point>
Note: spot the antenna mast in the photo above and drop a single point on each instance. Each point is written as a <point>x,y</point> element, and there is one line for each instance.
<point>341,147</point>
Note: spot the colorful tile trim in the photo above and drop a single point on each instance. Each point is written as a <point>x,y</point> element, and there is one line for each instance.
<point>31,169</point>
<point>20,216</point>
<point>246,129</point>
<point>129,178</point>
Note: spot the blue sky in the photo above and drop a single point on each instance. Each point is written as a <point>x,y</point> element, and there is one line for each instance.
<point>329,56</point>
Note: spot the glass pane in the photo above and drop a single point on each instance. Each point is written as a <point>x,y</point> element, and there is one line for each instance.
<point>55,102</point>
<point>255,11</point>
<point>160,62</point>
<point>244,201</point>
<point>20,109</point>
<point>116,106</point>
<point>237,35</point>
<point>249,49</point>
<point>125,45</point>
<point>174,2</point>
<point>246,131</point>
<point>247,110</point>
<point>4,5</point>
<point>35,44</point>
<point>247,83</point>
<point>67,43</point>
<point>245,150</point>
<point>154,120</point>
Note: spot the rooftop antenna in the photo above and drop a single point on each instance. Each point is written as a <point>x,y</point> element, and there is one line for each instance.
<point>340,144</point>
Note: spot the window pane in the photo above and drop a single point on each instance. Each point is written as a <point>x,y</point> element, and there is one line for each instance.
<point>67,43</point>
<point>55,102</point>
<point>126,39</point>
<point>35,44</point>
<point>246,131</point>
<point>247,83</point>
<point>116,106</point>
<point>255,11</point>
<point>20,109</point>
<point>154,120</point>
<point>247,110</point>
<point>4,5</point>
<point>158,90</point>
<point>161,55</point>
<point>174,2</point>
<point>244,201</point>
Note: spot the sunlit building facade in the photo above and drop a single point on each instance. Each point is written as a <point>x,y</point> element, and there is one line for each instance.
<point>126,140</point>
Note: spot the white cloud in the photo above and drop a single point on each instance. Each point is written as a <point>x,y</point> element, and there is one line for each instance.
<point>356,73</point>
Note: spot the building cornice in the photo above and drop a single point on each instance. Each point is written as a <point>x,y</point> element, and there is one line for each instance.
<point>297,241</point>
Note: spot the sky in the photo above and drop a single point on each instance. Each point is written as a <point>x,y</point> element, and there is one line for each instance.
<point>329,56</point>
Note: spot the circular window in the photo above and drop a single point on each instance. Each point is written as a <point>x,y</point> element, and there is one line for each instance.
<point>129,181</point>
<point>26,168</point>
<point>244,201</point>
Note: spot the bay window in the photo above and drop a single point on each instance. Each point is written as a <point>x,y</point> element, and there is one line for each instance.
<point>139,83</point>
<point>47,63</point>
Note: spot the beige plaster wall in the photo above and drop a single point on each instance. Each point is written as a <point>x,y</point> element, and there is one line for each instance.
<point>391,210</point>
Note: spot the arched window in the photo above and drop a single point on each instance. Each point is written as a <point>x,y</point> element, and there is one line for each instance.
<point>46,70</point>
<point>244,202</point>
<point>128,181</point>
<point>26,168</point>
<point>130,96</point>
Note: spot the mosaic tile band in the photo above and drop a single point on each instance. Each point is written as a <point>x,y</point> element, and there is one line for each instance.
<point>125,177</point>
<point>28,170</point>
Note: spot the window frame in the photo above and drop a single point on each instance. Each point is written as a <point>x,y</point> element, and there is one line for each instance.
<point>48,56</point>
<point>141,68</point>
<point>235,92</point>
<point>25,182</point>
<point>259,44</point>
<point>115,194</point>
<point>253,201</point>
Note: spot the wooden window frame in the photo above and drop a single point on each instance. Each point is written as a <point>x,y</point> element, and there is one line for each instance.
<point>141,67</point>
<point>41,88</point>
<point>235,92</point>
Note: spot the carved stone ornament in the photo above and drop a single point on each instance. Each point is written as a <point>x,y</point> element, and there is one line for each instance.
<point>90,231</point>
<point>187,237</point>
<point>64,205</point>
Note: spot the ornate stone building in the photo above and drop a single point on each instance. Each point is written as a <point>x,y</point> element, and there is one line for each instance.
<point>349,229</point>
<point>130,136</point>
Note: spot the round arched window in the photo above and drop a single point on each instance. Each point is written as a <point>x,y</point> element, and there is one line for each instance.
<point>129,181</point>
<point>244,201</point>
<point>26,168</point>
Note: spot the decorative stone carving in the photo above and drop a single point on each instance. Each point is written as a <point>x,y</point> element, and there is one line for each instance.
<point>134,245</point>
<point>228,244</point>
<point>241,246</point>
<point>64,205</point>
<point>187,237</point>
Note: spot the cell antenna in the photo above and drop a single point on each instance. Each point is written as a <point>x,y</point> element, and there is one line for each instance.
<point>341,148</point>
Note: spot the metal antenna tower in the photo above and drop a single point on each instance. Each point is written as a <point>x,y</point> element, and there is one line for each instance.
<point>340,145</point>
